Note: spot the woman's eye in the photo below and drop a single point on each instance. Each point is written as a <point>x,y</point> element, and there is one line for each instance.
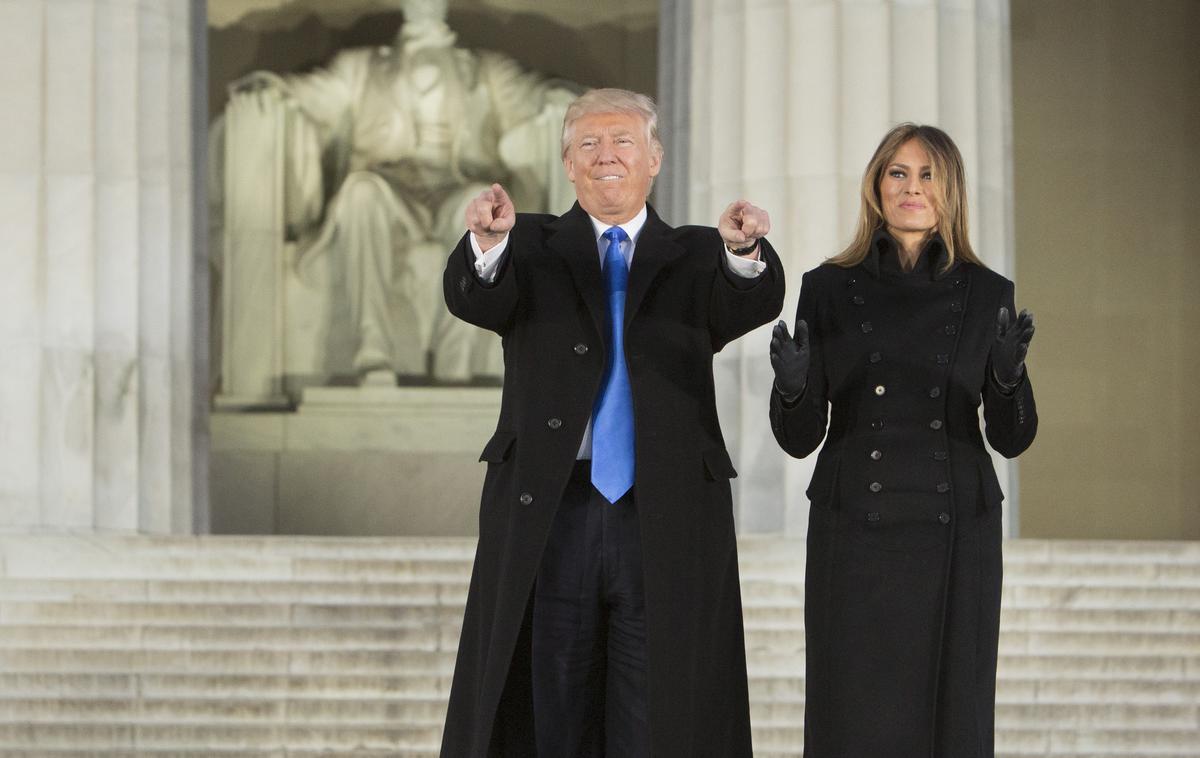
<point>896,174</point>
<point>927,177</point>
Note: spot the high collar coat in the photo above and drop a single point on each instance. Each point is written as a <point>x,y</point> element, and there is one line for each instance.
<point>548,304</point>
<point>902,589</point>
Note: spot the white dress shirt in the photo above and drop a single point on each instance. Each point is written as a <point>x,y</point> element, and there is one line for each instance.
<point>487,263</point>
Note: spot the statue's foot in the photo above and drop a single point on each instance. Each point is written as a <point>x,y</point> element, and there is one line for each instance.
<point>380,377</point>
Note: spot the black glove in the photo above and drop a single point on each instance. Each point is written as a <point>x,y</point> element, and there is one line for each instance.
<point>1010,347</point>
<point>789,358</point>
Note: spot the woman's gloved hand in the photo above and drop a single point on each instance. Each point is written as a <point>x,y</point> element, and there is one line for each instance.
<point>1010,347</point>
<point>789,358</point>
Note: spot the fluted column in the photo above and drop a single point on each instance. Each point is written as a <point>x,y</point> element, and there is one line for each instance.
<point>97,268</point>
<point>788,100</point>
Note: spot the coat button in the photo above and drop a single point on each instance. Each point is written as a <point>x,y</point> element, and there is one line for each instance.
<point>876,455</point>
<point>960,282</point>
<point>873,516</point>
<point>944,517</point>
<point>554,423</point>
<point>951,329</point>
<point>526,498</point>
<point>866,327</point>
<point>880,390</point>
<point>935,424</point>
<point>935,391</point>
<point>877,424</point>
<point>876,487</point>
<point>943,487</point>
<point>940,455</point>
<point>851,282</point>
<point>943,358</point>
<point>875,358</point>
<point>859,300</point>
<point>956,307</point>
<point>580,348</point>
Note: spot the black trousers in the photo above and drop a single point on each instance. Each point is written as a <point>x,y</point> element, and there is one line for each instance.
<point>589,630</point>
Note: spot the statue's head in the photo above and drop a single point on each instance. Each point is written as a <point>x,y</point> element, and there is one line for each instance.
<point>424,24</point>
<point>423,11</point>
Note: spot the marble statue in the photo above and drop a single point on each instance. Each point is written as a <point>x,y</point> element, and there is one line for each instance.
<point>338,193</point>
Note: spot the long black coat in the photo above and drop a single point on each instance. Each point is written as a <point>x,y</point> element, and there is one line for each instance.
<point>902,591</point>
<point>548,304</point>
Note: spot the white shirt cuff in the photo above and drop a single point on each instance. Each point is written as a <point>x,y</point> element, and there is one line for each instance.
<point>747,268</point>
<point>487,263</point>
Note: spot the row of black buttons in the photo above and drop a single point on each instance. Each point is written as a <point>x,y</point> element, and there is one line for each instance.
<point>878,424</point>
<point>942,487</point>
<point>881,390</point>
<point>875,517</point>
<point>938,455</point>
<point>554,422</point>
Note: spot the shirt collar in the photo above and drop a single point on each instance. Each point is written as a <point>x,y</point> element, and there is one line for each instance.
<point>632,227</point>
<point>932,261</point>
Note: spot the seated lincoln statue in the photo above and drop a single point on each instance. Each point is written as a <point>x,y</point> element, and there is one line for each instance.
<point>335,194</point>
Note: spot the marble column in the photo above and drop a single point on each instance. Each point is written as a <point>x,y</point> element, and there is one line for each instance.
<point>788,100</point>
<point>98,419</point>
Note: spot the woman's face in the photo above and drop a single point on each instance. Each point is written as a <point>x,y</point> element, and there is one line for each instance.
<point>906,191</point>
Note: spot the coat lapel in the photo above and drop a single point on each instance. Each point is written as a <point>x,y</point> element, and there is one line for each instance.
<point>654,251</point>
<point>574,239</point>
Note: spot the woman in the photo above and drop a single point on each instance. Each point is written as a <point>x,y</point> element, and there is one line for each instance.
<point>903,334</point>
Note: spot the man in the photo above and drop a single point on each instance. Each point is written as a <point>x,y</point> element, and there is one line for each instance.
<point>604,615</point>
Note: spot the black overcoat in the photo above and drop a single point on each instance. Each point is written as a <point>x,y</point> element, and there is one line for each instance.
<point>549,306</point>
<point>902,590</point>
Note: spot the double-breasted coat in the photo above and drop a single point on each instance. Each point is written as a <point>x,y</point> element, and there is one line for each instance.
<point>902,590</point>
<point>548,304</point>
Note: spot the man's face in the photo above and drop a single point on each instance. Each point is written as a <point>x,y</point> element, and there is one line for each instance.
<point>611,163</point>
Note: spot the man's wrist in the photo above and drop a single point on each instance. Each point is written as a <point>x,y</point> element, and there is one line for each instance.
<point>742,251</point>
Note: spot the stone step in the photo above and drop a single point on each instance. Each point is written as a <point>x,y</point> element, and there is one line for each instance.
<point>1119,740</point>
<point>185,591</point>
<point>208,684</point>
<point>423,609</point>
<point>218,736</point>
<point>758,594</point>
<point>1012,716</point>
<point>1029,665</point>
<point>765,642</point>
<point>216,638</point>
<point>1017,691</point>
<point>381,712</point>
<point>396,663</point>
<point>760,550</point>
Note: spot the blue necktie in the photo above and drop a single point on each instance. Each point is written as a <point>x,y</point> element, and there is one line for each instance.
<point>612,418</point>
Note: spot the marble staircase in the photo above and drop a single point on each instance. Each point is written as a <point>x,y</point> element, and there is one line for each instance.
<point>209,646</point>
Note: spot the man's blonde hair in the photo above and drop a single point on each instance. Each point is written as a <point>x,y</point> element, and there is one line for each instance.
<point>612,100</point>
